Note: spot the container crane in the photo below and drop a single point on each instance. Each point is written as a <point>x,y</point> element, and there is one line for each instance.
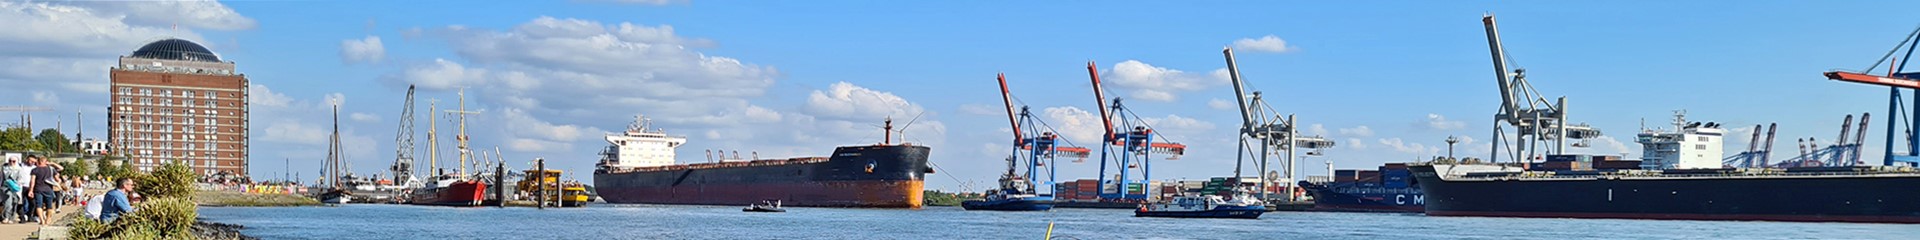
<point>1894,80</point>
<point>26,113</point>
<point>1842,153</point>
<point>1535,120</point>
<point>1032,152</point>
<point>1755,156</point>
<point>1136,142</point>
<point>1277,133</point>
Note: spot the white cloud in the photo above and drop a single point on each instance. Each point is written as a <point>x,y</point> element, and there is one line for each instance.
<point>1222,104</point>
<point>1317,129</point>
<point>45,97</point>
<point>846,101</point>
<point>563,67</point>
<point>364,117</point>
<point>1268,43</point>
<point>1435,121</point>
<point>65,47</point>
<point>191,13</point>
<point>1408,147</point>
<point>1355,143</point>
<point>1360,131</point>
<point>1075,124</point>
<point>262,96</point>
<point>1152,83</point>
<point>368,50</point>
<point>294,132</point>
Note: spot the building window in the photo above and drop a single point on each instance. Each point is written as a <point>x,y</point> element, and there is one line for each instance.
<point>1700,146</point>
<point>1703,138</point>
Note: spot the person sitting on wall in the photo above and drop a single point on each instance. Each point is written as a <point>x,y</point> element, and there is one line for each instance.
<point>116,202</point>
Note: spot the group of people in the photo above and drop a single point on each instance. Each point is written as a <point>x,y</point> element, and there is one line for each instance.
<point>34,190</point>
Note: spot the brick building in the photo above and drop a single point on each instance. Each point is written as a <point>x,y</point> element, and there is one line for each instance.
<point>173,100</point>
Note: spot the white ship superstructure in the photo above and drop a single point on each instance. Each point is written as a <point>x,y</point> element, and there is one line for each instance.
<point>640,146</point>
<point>1691,146</point>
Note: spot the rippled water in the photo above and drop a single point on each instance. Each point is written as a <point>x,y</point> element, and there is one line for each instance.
<point>721,222</point>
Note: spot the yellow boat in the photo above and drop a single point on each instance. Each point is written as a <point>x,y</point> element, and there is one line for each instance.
<point>568,193</point>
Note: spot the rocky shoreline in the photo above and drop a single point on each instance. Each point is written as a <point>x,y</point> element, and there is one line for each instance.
<point>203,229</point>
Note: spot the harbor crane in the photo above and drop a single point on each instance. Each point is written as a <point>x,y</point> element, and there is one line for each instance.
<point>1276,133</point>
<point>1894,80</point>
<point>26,113</point>
<point>1032,152</point>
<point>1137,146</point>
<point>403,151</point>
<point>1756,155</point>
<point>1536,121</point>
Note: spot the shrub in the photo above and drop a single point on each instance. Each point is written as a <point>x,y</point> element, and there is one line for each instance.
<point>171,180</point>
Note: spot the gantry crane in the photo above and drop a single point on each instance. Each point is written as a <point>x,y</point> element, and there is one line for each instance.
<point>1277,133</point>
<point>1535,120</point>
<point>1032,152</point>
<point>1136,141</point>
<point>1894,80</point>
<point>1756,155</point>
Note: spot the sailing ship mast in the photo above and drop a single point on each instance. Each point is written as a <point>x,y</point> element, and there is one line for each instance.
<point>465,153</point>
<point>333,151</point>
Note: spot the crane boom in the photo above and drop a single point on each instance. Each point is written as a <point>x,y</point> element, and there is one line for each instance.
<point>1509,104</point>
<point>1100,101</point>
<point>1007,97</point>
<point>1239,93</point>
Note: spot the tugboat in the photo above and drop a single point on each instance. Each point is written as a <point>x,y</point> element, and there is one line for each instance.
<point>1017,189</point>
<point>1015,194</point>
<point>1241,205</point>
<point>765,206</point>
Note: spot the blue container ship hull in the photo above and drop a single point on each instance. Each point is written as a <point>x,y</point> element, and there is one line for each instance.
<point>1348,197</point>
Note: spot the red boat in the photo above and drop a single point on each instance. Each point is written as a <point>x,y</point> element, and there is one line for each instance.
<point>451,192</point>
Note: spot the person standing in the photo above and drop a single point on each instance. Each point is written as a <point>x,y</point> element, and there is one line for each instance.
<point>10,202</point>
<point>115,202</point>
<point>22,175</point>
<point>43,190</point>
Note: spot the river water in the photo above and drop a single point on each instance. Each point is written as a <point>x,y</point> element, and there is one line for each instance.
<point>615,221</point>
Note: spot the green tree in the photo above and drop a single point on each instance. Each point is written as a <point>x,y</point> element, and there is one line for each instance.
<point>111,167</point>
<point>52,140</point>
<point>19,139</point>
<point>79,167</point>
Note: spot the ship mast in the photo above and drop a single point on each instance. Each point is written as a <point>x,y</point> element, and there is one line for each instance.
<point>333,151</point>
<point>462,113</point>
<point>433,140</point>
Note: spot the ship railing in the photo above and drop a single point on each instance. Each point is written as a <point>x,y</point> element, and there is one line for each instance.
<point>1642,174</point>
<point>696,166</point>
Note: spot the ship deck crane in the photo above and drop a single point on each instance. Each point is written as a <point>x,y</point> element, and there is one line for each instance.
<point>1032,152</point>
<point>1535,119</point>
<point>1137,146</point>
<point>1894,80</point>
<point>1276,133</point>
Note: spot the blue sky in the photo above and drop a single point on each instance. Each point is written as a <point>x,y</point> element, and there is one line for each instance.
<point>776,77</point>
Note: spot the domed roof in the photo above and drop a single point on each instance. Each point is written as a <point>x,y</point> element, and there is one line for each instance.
<point>176,49</point>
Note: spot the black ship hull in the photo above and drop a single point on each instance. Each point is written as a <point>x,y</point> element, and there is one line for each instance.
<point>856,176</point>
<point>1872,198</point>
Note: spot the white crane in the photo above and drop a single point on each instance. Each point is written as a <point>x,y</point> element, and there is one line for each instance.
<point>1276,133</point>
<point>1535,119</point>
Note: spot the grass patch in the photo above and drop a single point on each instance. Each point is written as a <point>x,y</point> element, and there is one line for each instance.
<point>235,199</point>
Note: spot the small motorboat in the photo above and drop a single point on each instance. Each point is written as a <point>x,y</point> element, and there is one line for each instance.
<point>1205,206</point>
<point>765,206</point>
<point>1010,200</point>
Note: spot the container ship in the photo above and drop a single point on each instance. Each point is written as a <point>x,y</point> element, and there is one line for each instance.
<point>1682,177</point>
<point>638,167</point>
<point>1391,188</point>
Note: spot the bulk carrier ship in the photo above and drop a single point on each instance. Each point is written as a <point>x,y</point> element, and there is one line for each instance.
<point>1682,178</point>
<point>638,167</point>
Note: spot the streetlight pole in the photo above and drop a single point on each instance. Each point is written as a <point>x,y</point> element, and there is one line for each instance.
<point>1450,141</point>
